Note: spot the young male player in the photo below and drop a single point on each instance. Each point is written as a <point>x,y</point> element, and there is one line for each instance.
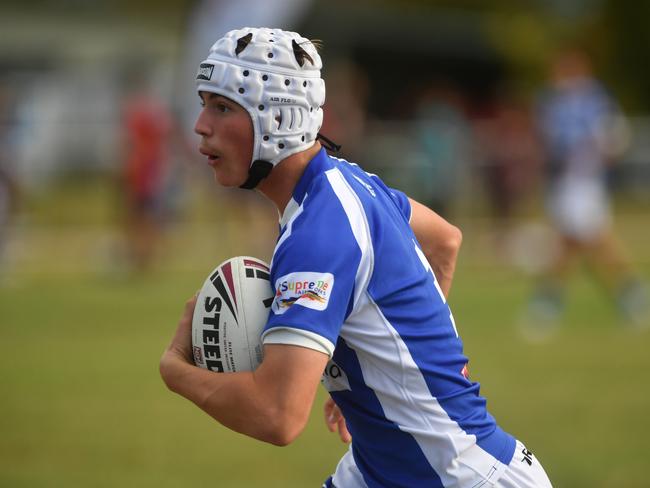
<point>360,273</point>
<point>580,124</point>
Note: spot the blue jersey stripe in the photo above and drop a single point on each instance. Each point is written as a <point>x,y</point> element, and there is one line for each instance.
<point>380,466</point>
<point>423,321</point>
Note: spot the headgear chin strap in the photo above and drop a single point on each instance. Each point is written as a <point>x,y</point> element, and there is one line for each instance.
<point>256,173</point>
<point>275,76</point>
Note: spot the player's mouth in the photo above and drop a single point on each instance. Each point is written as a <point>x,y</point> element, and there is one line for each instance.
<point>212,157</point>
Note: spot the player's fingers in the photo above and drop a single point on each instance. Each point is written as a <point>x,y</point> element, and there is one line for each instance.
<point>330,413</point>
<point>186,319</point>
<point>328,406</point>
<point>181,342</point>
<point>330,422</point>
<point>344,433</point>
<point>189,306</point>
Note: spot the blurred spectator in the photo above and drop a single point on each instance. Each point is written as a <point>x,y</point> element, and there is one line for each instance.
<point>8,199</point>
<point>147,127</point>
<point>580,123</point>
<point>443,141</point>
<point>511,160</point>
<point>345,108</point>
<point>8,184</point>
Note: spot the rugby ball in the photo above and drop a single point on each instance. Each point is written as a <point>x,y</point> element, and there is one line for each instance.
<point>231,311</point>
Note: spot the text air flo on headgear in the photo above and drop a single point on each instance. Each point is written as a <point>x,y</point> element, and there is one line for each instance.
<point>275,76</point>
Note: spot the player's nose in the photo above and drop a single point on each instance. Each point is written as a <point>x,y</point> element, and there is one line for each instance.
<point>201,126</point>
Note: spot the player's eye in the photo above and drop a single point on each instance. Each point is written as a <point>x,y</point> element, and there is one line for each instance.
<point>222,107</point>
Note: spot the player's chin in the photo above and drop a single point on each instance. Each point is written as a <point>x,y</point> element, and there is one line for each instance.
<point>226,179</point>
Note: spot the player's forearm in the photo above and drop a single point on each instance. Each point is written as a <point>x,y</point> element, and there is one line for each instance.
<point>440,241</point>
<point>236,400</point>
<point>442,256</point>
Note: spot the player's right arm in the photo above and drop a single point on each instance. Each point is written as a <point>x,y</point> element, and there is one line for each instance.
<point>440,241</point>
<point>271,404</point>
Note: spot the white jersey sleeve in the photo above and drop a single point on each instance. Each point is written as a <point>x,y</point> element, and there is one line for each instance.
<point>298,337</point>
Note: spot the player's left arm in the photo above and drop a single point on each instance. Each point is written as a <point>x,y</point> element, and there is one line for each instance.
<point>335,421</point>
<point>440,241</point>
<point>271,404</point>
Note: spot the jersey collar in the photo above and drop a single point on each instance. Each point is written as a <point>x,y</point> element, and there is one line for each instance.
<point>318,165</point>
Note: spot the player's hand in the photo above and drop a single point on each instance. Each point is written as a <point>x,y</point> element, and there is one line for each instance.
<point>180,347</point>
<point>178,355</point>
<point>335,421</point>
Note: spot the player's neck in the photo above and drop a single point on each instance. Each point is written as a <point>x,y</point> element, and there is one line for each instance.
<point>279,185</point>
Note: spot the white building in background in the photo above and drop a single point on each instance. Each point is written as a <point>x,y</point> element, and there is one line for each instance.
<point>64,71</point>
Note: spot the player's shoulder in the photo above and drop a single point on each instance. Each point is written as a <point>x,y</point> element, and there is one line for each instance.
<point>349,177</point>
<point>316,243</point>
<point>339,192</point>
<point>320,222</point>
<point>329,189</point>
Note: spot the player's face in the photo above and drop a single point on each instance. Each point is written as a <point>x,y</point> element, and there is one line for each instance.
<point>226,132</point>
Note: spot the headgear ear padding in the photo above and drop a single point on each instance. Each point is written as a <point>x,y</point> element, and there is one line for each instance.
<point>275,76</point>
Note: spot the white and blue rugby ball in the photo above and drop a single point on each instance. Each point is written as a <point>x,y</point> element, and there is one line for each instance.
<point>231,311</point>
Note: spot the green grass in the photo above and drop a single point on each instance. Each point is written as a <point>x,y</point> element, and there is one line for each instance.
<point>82,404</point>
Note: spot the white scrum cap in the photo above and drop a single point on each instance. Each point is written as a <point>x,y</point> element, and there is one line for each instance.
<point>275,76</point>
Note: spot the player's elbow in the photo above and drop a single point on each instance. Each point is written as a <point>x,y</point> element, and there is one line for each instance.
<point>282,438</point>
<point>453,239</point>
<point>446,246</point>
<point>285,428</point>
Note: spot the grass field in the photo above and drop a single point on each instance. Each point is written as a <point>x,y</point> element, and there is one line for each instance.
<point>82,404</point>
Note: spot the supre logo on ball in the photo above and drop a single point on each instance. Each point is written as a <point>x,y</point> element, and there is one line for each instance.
<point>308,289</point>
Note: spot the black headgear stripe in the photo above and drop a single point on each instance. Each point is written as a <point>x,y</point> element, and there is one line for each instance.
<point>256,173</point>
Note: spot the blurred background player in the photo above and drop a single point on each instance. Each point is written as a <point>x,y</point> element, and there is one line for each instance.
<point>147,131</point>
<point>8,183</point>
<point>584,131</point>
<point>442,145</point>
<point>509,160</point>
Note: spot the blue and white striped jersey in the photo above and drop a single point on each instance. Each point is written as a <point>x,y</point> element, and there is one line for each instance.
<point>349,274</point>
<point>577,125</point>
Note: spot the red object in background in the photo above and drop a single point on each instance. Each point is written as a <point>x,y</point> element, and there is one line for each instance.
<point>148,126</point>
